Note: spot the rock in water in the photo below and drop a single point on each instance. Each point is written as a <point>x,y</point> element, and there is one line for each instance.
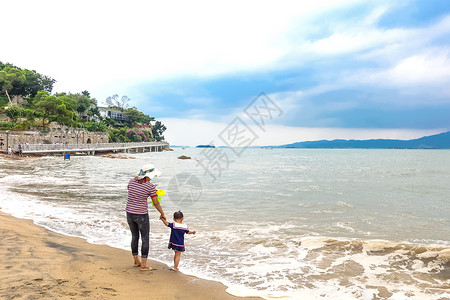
<point>184,157</point>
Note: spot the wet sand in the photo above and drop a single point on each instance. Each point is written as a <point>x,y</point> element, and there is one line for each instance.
<point>36,263</point>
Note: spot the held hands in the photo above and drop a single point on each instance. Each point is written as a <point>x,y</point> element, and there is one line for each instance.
<point>162,217</point>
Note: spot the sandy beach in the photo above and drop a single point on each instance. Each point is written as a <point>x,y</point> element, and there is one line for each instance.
<point>36,263</point>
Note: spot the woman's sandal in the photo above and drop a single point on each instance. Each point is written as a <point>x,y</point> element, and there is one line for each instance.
<point>145,269</point>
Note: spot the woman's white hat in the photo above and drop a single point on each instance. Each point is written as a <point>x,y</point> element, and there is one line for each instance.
<point>149,171</point>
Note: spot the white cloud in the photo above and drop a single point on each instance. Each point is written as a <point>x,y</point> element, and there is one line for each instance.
<point>352,41</point>
<point>405,60</point>
<point>411,61</point>
<point>424,69</point>
<point>108,46</point>
<point>352,36</point>
<point>424,76</point>
<point>105,46</point>
<point>397,56</point>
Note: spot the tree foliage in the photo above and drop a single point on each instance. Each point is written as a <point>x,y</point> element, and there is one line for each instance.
<point>101,126</point>
<point>55,108</point>
<point>81,101</point>
<point>14,113</point>
<point>135,117</point>
<point>75,110</point>
<point>125,134</point>
<point>10,81</point>
<point>15,81</point>
<point>158,130</point>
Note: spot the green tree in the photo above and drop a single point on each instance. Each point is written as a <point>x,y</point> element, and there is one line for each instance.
<point>96,126</point>
<point>78,102</point>
<point>29,114</point>
<point>14,113</point>
<point>55,108</point>
<point>119,135</point>
<point>6,125</point>
<point>15,81</point>
<point>9,78</point>
<point>135,117</point>
<point>35,82</point>
<point>93,111</point>
<point>3,100</point>
<point>110,122</point>
<point>158,130</point>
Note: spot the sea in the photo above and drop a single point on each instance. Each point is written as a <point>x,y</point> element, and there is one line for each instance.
<point>275,223</point>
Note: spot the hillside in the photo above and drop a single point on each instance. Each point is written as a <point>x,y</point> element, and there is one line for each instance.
<point>438,141</point>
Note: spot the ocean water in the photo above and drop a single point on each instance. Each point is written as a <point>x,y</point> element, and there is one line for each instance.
<point>280,223</point>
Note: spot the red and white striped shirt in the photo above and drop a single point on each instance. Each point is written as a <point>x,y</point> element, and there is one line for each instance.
<point>137,196</point>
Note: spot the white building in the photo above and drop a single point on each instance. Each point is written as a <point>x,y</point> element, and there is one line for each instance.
<point>108,112</point>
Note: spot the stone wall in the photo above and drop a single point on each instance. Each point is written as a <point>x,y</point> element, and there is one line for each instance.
<point>52,136</point>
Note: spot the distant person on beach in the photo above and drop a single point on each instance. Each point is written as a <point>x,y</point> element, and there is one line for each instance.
<point>9,150</point>
<point>177,232</point>
<point>20,150</point>
<point>139,189</point>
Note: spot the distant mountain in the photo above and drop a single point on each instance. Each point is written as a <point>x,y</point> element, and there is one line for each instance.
<point>437,141</point>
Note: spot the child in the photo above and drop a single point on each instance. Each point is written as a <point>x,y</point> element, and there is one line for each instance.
<point>178,229</point>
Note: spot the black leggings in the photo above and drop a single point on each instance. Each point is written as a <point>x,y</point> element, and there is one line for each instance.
<point>139,224</point>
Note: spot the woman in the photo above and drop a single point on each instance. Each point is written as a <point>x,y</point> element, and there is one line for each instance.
<point>139,189</point>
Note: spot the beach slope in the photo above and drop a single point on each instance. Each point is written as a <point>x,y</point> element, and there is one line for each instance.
<point>36,263</point>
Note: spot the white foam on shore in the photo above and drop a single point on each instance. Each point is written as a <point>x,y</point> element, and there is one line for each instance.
<point>261,269</point>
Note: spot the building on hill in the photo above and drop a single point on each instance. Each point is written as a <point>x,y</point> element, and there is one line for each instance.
<point>115,114</point>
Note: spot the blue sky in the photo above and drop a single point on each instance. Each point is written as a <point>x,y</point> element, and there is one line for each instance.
<point>337,69</point>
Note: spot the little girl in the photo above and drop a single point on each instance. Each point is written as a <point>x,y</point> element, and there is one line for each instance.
<point>178,229</point>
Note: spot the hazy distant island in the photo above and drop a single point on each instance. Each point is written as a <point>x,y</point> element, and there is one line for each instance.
<point>437,141</point>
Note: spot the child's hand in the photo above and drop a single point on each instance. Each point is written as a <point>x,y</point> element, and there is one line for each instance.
<point>193,231</point>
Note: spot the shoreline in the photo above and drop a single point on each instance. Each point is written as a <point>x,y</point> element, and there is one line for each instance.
<point>39,263</point>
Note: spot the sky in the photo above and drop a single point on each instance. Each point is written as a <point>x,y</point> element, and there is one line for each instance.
<point>326,69</point>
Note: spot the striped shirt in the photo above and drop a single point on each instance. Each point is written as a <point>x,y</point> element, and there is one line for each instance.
<point>137,196</point>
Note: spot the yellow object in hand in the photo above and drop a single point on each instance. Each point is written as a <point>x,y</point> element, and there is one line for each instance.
<point>159,193</point>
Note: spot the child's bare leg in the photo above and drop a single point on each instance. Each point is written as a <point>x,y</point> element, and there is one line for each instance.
<point>176,260</point>
<point>137,262</point>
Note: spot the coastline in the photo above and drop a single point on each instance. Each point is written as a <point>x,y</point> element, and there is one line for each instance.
<point>343,246</point>
<point>38,263</point>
